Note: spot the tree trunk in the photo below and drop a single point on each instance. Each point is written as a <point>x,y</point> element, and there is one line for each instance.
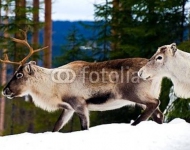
<point>3,81</point>
<point>19,53</point>
<point>2,99</point>
<point>47,59</point>
<point>105,32</point>
<point>182,20</point>
<point>114,44</point>
<point>20,21</point>
<point>35,37</point>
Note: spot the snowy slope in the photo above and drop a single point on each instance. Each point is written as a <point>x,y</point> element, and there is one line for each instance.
<point>146,136</point>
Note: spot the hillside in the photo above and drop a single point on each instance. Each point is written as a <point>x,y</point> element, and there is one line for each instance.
<point>61,30</point>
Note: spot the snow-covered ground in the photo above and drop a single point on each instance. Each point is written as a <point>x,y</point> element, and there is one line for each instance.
<point>146,136</point>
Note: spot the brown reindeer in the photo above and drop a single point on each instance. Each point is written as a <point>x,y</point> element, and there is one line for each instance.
<point>82,86</point>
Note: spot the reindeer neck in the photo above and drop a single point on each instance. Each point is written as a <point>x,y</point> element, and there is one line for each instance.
<point>182,64</point>
<point>180,74</point>
<point>43,70</point>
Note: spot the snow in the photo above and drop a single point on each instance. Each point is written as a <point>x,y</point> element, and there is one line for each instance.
<point>148,135</point>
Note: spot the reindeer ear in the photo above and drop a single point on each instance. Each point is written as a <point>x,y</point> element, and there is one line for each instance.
<point>173,48</point>
<point>29,69</point>
<point>32,63</point>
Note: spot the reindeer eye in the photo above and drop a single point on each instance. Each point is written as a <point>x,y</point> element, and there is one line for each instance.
<point>159,58</point>
<point>19,75</point>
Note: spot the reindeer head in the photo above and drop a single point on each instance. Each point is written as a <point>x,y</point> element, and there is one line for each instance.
<point>17,86</point>
<point>158,64</point>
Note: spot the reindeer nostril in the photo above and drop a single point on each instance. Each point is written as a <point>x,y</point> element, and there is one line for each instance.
<point>7,91</point>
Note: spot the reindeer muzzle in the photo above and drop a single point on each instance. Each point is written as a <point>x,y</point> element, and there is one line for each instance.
<point>8,93</point>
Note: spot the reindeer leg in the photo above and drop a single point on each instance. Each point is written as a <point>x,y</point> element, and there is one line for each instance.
<point>158,116</point>
<point>81,110</point>
<point>63,119</point>
<point>150,108</point>
<point>83,114</point>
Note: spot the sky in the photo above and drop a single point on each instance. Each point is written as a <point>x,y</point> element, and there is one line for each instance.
<point>73,9</point>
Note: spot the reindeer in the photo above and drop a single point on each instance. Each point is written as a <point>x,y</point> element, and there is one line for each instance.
<point>172,63</point>
<point>80,87</point>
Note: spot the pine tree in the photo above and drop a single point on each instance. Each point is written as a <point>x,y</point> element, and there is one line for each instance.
<point>139,27</point>
<point>73,50</point>
<point>3,75</point>
<point>19,18</point>
<point>102,29</point>
<point>48,35</point>
<point>35,35</point>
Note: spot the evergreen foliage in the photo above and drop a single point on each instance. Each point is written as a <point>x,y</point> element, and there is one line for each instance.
<point>180,109</point>
<point>17,18</point>
<point>73,50</point>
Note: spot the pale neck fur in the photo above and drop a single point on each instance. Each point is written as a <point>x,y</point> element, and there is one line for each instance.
<point>42,95</point>
<point>179,73</point>
<point>156,87</point>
